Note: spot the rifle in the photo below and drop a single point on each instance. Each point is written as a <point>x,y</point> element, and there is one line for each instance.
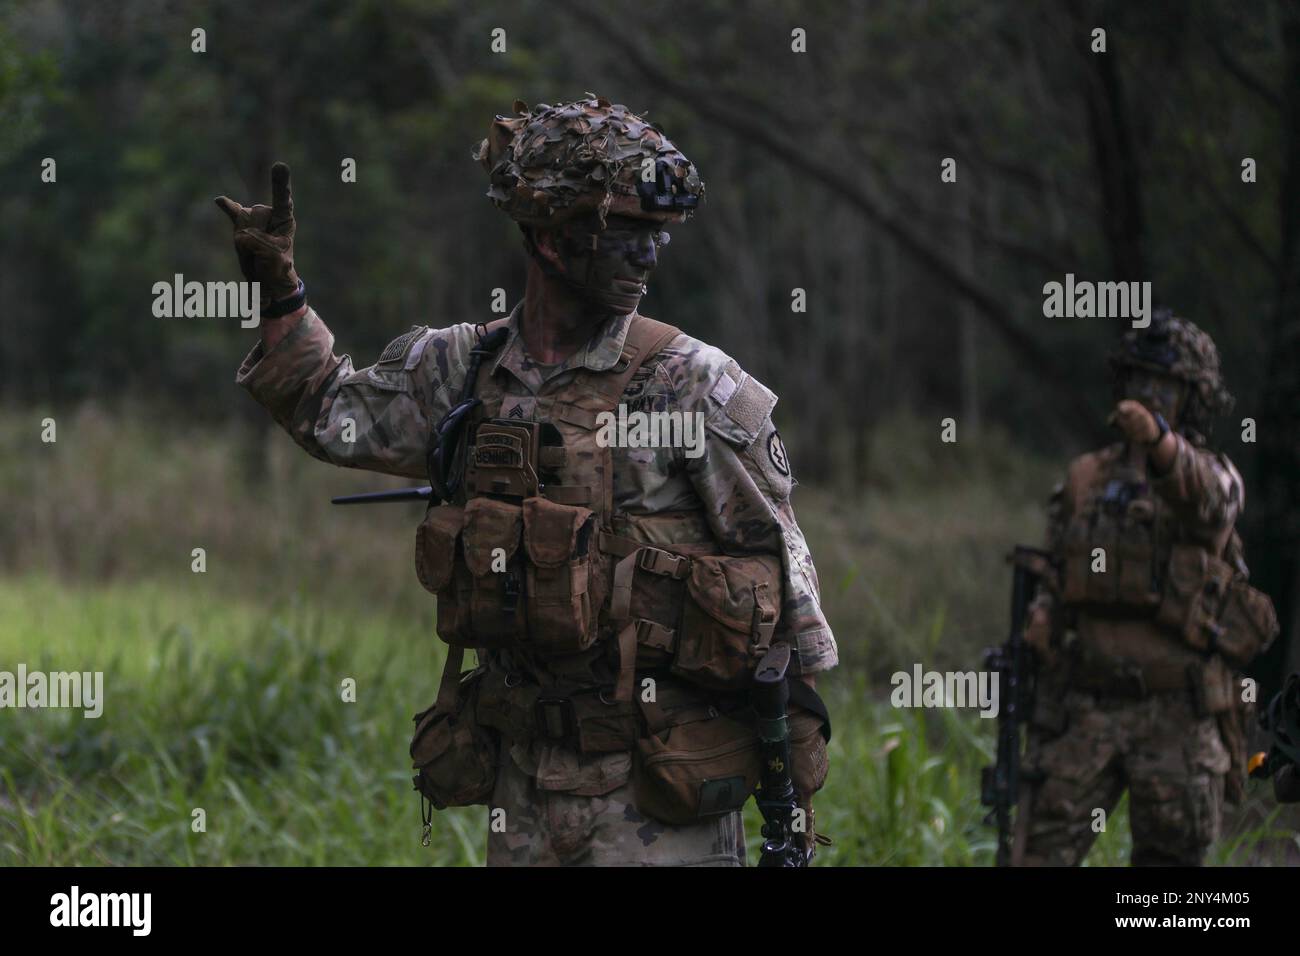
<point>1280,718</point>
<point>776,800</point>
<point>1014,663</point>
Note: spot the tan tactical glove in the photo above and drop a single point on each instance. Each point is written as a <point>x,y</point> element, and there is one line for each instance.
<point>1138,425</point>
<point>264,239</point>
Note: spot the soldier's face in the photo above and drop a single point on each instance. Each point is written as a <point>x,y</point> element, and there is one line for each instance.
<point>1157,392</point>
<point>611,266</point>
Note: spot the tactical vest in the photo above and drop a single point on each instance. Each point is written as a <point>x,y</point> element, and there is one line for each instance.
<point>534,568</point>
<point>1157,575</point>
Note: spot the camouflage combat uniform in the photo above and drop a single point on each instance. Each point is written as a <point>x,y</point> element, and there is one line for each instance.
<point>563,806</point>
<point>1132,693</point>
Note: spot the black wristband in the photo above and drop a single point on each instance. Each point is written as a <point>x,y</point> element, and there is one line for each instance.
<point>292,303</point>
<point>1163,426</point>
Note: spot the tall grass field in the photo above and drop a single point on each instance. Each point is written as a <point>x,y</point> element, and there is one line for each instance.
<point>227,737</point>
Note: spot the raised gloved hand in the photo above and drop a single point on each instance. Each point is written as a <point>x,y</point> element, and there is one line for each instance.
<point>1135,421</point>
<point>264,239</point>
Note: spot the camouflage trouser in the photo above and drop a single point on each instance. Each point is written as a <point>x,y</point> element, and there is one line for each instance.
<point>1171,761</point>
<point>553,828</point>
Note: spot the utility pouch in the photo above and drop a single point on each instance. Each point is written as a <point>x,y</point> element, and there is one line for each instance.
<point>692,771</point>
<point>809,762</point>
<point>1247,625</point>
<point>1212,687</point>
<point>729,613</point>
<point>1195,586</point>
<point>455,758</point>
<point>563,596</point>
<point>437,542</point>
<point>491,546</point>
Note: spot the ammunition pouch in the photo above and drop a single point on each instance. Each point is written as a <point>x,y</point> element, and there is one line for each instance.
<point>709,617</point>
<point>455,756</point>
<point>1247,625</point>
<point>1128,540</point>
<point>1195,585</point>
<point>511,575</point>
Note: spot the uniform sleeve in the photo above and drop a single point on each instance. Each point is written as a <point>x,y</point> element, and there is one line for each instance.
<point>1203,489</point>
<point>377,418</point>
<point>744,480</point>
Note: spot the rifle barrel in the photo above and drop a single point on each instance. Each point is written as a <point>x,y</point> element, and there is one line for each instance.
<point>374,497</point>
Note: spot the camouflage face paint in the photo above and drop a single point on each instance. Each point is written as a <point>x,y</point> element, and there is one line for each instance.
<point>609,268</point>
<point>1162,394</point>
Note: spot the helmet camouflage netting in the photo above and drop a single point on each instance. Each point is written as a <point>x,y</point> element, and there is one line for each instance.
<point>1175,346</point>
<point>551,164</point>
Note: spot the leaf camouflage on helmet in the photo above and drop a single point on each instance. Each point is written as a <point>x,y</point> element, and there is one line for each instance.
<point>1175,346</point>
<point>551,164</point>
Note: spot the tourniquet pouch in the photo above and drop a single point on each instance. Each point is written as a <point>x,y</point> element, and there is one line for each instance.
<point>437,541</point>
<point>1195,586</point>
<point>454,756</point>
<point>696,770</point>
<point>728,616</point>
<point>1247,624</point>
<point>564,597</point>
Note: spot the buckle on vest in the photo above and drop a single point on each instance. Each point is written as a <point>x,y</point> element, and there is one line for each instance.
<point>657,561</point>
<point>555,719</point>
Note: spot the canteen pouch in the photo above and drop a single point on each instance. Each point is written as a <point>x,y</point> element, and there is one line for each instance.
<point>437,542</point>
<point>1247,625</point>
<point>490,544</point>
<point>454,756</point>
<point>563,598</point>
<point>729,613</point>
<point>692,771</point>
<point>1195,586</point>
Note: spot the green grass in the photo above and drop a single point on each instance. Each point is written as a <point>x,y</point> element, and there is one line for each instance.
<point>238,710</point>
<point>223,689</point>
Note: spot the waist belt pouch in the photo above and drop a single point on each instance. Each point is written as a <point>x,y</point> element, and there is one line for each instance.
<point>507,705</point>
<point>455,757</point>
<point>441,569</point>
<point>563,602</point>
<point>490,542</point>
<point>728,616</point>
<point>604,725</point>
<point>809,762</point>
<point>695,770</point>
<point>1247,625</point>
<point>1195,584</point>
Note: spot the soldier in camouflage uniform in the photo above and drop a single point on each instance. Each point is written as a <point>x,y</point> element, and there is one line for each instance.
<point>1140,630</point>
<point>577,573</point>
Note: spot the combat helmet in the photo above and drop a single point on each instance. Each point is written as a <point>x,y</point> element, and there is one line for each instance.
<point>551,164</point>
<point>1175,346</point>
